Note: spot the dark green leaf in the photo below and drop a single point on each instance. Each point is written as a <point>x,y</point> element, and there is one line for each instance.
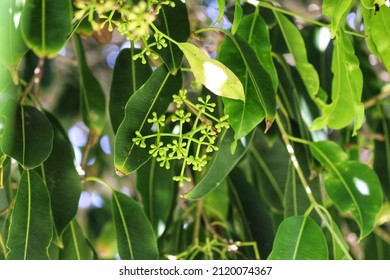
<point>45,25</point>
<point>128,76</point>
<point>260,100</point>
<point>157,190</point>
<point>75,245</point>
<point>173,21</point>
<point>31,229</point>
<point>28,136</point>
<point>376,248</point>
<point>336,10</point>
<point>382,156</point>
<point>216,203</point>
<point>154,96</point>
<point>338,250</point>
<point>299,238</point>
<point>135,237</point>
<point>222,163</point>
<point>92,99</point>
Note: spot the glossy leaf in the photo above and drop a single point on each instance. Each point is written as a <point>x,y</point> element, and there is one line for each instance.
<point>352,186</point>
<point>30,231</point>
<point>238,12</point>
<point>128,76</point>
<point>157,190</point>
<point>299,238</point>
<point>45,25</point>
<point>336,10</point>
<point>92,99</point>
<point>28,136</point>
<point>75,245</point>
<point>260,98</point>
<point>135,237</point>
<point>154,96</point>
<point>215,76</point>
<point>297,48</point>
<point>173,21</point>
<point>61,178</point>
<point>221,164</point>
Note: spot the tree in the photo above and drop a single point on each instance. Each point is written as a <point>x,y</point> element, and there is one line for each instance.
<point>259,133</point>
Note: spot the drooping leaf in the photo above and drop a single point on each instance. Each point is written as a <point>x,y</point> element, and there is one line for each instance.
<point>154,96</point>
<point>260,98</point>
<point>75,245</point>
<point>336,11</point>
<point>347,88</point>
<point>45,25</point>
<point>135,237</point>
<point>238,12</point>
<point>221,8</point>
<point>258,224</point>
<point>382,156</point>
<point>352,186</point>
<point>299,238</point>
<point>128,76</point>
<point>173,21</point>
<point>338,250</point>
<point>61,178</point>
<point>157,190</point>
<point>28,136</point>
<point>221,164</point>
<point>92,99</point>
<point>215,76</point>
<point>30,231</point>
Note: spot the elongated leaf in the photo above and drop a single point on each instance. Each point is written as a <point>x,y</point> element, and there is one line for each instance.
<point>260,98</point>
<point>45,25</point>
<point>76,246</point>
<point>216,203</point>
<point>237,16</point>
<point>215,76</point>
<point>221,8</point>
<point>61,178</point>
<point>376,248</point>
<point>336,10</point>
<point>157,190</point>
<point>382,156</point>
<point>135,237</point>
<point>222,163</point>
<point>297,48</point>
<point>338,250</point>
<point>154,96</point>
<point>92,99</point>
<point>173,21</point>
<point>258,224</point>
<point>128,76</point>
<point>30,231</point>
<point>299,238</point>
<point>28,136</point>
<point>352,186</point>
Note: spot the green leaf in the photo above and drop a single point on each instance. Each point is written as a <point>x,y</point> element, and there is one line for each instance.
<point>215,76</point>
<point>216,203</point>
<point>297,48</point>
<point>61,178</point>
<point>260,95</point>
<point>328,151</point>
<point>336,10</point>
<point>338,250</point>
<point>45,25</point>
<point>352,186</point>
<point>221,8</point>
<point>135,237</point>
<point>299,238</point>
<point>75,245</point>
<point>257,222</point>
<point>382,156</point>
<point>157,190</point>
<point>238,12</point>
<point>128,76</point>
<point>221,164</point>
<point>347,88</point>
<point>31,229</point>
<point>154,96</point>
<point>28,136</point>
<point>92,98</point>
<point>376,248</point>
<point>173,21</point>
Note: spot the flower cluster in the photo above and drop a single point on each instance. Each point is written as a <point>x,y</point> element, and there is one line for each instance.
<point>189,146</point>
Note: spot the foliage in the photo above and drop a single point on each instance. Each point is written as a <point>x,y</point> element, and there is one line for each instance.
<point>262,133</point>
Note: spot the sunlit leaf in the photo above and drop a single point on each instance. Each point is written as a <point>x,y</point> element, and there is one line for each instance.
<point>45,25</point>
<point>92,99</point>
<point>238,12</point>
<point>299,238</point>
<point>75,245</point>
<point>135,237</point>
<point>221,9</point>
<point>213,74</point>
<point>30,231</point>
<point>336,10</point>
<point>128,76</point>
<point>154,96</point>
